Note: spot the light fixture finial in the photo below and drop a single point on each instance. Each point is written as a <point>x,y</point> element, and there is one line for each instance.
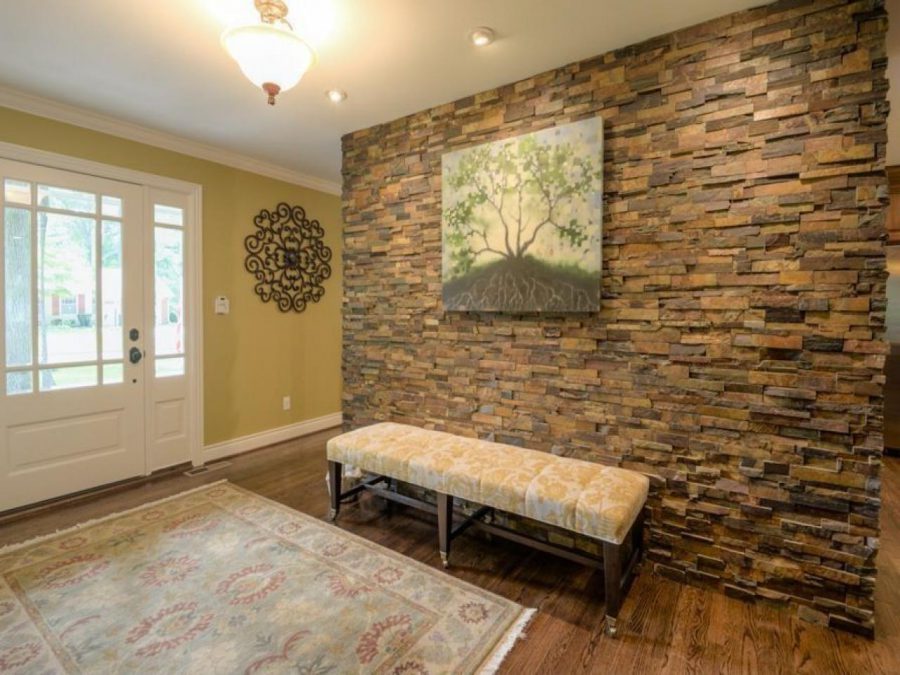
<point>272,90</point>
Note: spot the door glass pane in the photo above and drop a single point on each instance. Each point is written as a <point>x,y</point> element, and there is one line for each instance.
<point>17,191</point>
<point>63,259</point>
<point>17,254</point>
<point>63,198</point>
<point>169,284</point>
<point>67,281</point>
<point>111,278</point>
<point>112,373</point>
<point>18,383</point>
<point>68,378</point>
<point>168,215</point>
<point>111,207</point>
<point>170,367</point>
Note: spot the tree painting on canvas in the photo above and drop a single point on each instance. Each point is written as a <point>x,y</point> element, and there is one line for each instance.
<point>522,222</point>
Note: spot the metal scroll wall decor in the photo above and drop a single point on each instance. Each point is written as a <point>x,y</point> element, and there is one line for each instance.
<point>288,258</point>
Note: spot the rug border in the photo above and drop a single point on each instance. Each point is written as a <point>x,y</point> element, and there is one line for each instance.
<point>10,548</point>
<point>488,666</point>
<point>506,643</point>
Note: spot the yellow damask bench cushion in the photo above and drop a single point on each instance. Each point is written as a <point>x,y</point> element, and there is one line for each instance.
<point>592,499</point>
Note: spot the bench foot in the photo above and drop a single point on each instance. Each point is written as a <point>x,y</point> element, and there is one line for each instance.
<point>445,560</point>
<point>332,515</point>
<point>611,629</point>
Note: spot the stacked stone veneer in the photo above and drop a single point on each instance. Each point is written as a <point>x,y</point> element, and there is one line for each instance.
<point>738,354</point>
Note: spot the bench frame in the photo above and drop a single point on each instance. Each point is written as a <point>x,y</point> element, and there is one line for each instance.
<point>618,573</point>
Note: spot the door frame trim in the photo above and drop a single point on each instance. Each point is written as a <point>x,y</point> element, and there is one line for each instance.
<point>193,281</point>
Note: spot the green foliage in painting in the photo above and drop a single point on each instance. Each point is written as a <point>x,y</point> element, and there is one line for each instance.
<point>534,197</point>
<point>500,183</point>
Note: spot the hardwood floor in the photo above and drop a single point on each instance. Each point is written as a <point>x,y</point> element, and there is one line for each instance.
<point>664,627</point>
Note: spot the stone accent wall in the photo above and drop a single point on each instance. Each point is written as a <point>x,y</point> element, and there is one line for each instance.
<point>738,355</point>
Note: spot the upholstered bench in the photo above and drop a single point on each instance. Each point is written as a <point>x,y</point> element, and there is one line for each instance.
<point>598,501</point>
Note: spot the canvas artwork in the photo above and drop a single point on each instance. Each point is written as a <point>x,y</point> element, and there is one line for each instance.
<point>522,222</point>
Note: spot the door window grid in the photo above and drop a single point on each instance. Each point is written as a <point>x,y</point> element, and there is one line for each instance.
<point>168,294</point>
<point>41,321</point>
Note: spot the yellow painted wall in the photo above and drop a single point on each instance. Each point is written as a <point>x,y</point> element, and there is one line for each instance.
<point>254,355</point>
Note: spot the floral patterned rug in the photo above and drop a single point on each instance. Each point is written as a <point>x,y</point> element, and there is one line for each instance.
<point>220,580</point>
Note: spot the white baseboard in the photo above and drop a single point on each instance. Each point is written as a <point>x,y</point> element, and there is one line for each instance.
<point>260,440</point>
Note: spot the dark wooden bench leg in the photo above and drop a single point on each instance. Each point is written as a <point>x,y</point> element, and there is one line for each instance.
<point>612,573</point>
<point>445,522</point>
<point>335,470</point>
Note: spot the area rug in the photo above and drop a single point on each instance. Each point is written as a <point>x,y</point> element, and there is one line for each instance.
<point>220,580</point>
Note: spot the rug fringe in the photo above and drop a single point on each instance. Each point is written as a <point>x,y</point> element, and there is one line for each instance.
<point>9,548</point>
<point>515,633</point>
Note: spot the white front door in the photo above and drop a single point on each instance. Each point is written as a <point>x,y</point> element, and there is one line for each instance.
<point>72,413</point>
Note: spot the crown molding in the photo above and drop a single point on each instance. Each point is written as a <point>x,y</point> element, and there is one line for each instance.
<point>61,112</point>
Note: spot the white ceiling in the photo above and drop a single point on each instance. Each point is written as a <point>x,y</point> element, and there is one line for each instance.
<point>158,63</point>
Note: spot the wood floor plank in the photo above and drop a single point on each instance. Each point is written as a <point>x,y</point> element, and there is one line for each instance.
<point>643,647</point>
<point>664,627</point>
<point>689,647</point>
<point>757,638</point>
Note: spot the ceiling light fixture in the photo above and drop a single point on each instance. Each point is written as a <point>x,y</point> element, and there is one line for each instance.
<point>336,95</point>
<point>270,53</point>
<point>482,36</point>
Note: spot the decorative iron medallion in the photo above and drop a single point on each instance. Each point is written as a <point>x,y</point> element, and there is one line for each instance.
<point>287,256</point>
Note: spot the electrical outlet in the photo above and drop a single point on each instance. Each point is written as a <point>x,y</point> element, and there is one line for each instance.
<point>286,403</point>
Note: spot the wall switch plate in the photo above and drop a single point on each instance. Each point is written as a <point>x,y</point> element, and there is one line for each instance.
<point>222,305</point>
<point>286,403</point>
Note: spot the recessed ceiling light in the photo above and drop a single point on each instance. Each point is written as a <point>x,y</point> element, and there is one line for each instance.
<point>336,95</point>
<point>482,36</point>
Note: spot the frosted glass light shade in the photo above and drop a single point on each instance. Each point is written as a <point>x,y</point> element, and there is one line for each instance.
<point>269,54</point>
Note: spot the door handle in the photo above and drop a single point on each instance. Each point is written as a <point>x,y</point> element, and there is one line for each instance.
<point>135,355</point>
